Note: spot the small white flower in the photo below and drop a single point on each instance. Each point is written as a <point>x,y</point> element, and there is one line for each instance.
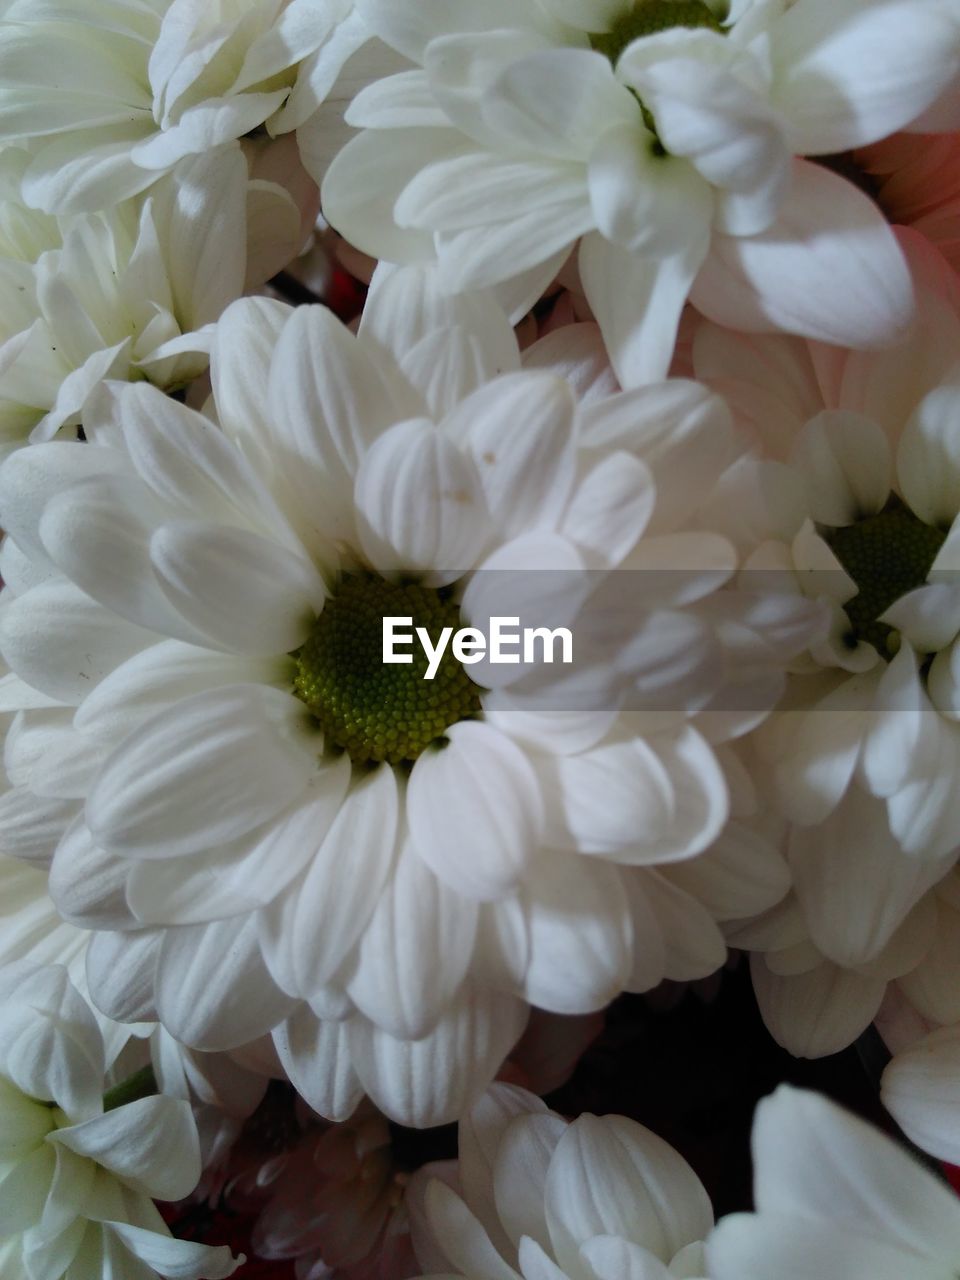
<point>854,496</point>
<point>111,95</point>
<point>77,1182</point>
<point>122,294</point>
<point>275,831</point>
<point>835,1199</point>
<point>533,1196</point>
<point>663,137</point>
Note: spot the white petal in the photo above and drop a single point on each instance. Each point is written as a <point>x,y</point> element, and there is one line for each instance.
<point>329,402</point>
<point>316,1057</point>
<point>920,1090</point>
<point>151,1144</point>
<point>928,459</point>
<point>405,305</point>
<point>415,951</point>
<point>580,935</point>
<point>420,504</point>
<point>59,640</point>
<point>795,1248</point>
<point>841,280</point>
<point>848,75</point>
<point>204,771</point>
<point>846,465</point>
<point>344,880</point>
<point>213,988</point>
<point>816,1013</point>
<point>52,1046</point>
<point>120,973</point>
<point>552,102</point>
<point>200,215</point>
<point>520,431</point>
<point>175,1259</point>
<point>465,1242</point>
<point>475,811</point>
<point>854,858</point>
<point>433,1081</point>
<point>637,301</point>
<point>244,591</point>
<point>610,508</point>
<point>816,1161</point>
<point>611,1176</point>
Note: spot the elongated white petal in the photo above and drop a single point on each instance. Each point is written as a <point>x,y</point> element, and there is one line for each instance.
<point>475,811</point>
<point>415,951</point>
<point>846,75</point>
<point>919,1089</point>
<point>151,1144</point>
<point>242,590</point>
<point>434,1080</point>
<point>213,988</point>
<point>205,771</point>
<point>844,282</point>
<point>421,504</point>
<point>637,301</point>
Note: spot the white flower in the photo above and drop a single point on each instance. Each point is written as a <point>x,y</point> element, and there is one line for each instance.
<point>140,86</point>
<point>533,1196</point>
<point>664,138</point>
<point>835,1199</point>
<point>232,772</point>
<point>77,1181</point>
<point>855,498</point>
<point>121,294</point>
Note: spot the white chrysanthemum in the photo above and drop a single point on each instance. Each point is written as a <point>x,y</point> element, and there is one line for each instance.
<point>854,497</point>
<point>835,1199</point>
<point>120,294</point>
<point>142,84</point>
<point>533,1196</point>
<point>660,135</point>
<point>77,1182</point>
<point>259,807</point>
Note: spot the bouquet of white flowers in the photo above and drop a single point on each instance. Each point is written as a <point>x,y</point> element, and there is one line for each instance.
<point>480,493</point>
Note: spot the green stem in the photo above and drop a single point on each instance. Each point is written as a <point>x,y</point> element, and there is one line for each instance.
<point>143,1084</point>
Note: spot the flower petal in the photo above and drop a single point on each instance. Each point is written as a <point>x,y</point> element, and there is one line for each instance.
<point>475,811</point>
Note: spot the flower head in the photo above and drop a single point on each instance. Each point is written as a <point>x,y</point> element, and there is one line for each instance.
<point>76,1180</point>
<point>532,1195</point>
<point>393,867</point>
<point>665,136</point>
<point>142,86</point>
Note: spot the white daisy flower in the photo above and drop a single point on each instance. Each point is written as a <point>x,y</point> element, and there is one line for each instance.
<point>256,810</point>
<point>142,84</point>
<point>535,1197</point>
<point>835,1199</point>
<point>855,497</point>
<point>665,136</point>
<point>79,1169</point>
<point>121,294</point>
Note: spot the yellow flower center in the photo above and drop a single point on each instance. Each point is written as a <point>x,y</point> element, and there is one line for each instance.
<point>373,710</point>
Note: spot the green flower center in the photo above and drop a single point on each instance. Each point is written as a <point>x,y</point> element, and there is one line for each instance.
<point>373,710</point>
<point>646,17</point>
<point>887,555</point>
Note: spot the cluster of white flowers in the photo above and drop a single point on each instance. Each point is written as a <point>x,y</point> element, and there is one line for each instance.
<point>639,353</point>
